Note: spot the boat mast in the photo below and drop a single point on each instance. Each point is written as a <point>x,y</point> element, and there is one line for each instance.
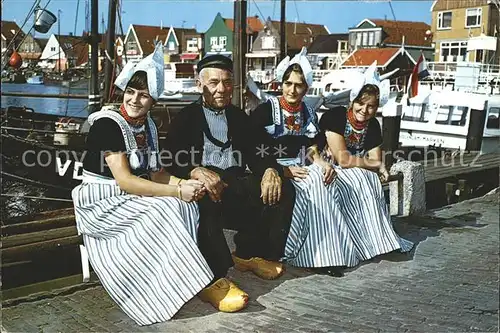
<point>59,40</point>
<point>239,51</point>
<point>94,97</point>
<point>283,30</point>
<point>110,49</point>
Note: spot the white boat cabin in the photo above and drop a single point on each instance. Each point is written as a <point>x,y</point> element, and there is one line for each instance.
<point>442,119</point>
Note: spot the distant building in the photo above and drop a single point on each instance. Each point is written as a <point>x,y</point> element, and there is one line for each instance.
<point>63,52</point>
<point>328,51</point>
<point>466,30</point>
<point>9,30</point>
<point>264,55</point>
<point>219,37</point>
<point>180,44</point>
<point>140,41</point>
<point>376,33</point>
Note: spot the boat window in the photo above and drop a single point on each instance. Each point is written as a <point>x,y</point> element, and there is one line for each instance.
<point>493,118</point>
<point>452,115</point>
<point>417,112</point>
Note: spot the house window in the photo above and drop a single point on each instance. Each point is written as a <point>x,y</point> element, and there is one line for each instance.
<point>479,56</point>
<point>343,46</point>
<point>52,48</point>
<point>444,20</point>
<point>453,51</point>
<point>365,38</point>
<point>223,41</point>
<point>358,39</point>
<point>268,42</point>
<point>473,17</point>
<point>131,48</point>
<point>214,41</point>
<point>171,46</point>
<point>192,44</point>
<point>493,118</point>
<point>371,38</point>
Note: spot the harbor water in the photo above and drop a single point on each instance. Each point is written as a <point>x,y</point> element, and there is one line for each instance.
<point>59,106</point>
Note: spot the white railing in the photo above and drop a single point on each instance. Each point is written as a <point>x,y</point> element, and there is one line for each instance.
<point>268,76</point>
<point>447,71</point>
<point>319,73</point>
<point>262,75</point>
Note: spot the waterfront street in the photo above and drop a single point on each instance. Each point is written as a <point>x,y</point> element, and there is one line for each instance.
<point>449,283</point>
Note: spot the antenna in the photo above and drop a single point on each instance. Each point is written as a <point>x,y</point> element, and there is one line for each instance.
<point>183,22</point>
<point>103,25</point>
<point>87,16</point>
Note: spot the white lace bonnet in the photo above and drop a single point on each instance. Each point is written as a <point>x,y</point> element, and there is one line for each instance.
<point>371,76</point>
<point>301,59</point>
<point>153,65</point>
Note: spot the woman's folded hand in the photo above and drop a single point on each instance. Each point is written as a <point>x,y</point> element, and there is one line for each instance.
<point>329,172</point>
<point>295,172</point>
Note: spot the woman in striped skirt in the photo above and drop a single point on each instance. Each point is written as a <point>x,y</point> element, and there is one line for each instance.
<point>138,223</point>
<point>329,228</point>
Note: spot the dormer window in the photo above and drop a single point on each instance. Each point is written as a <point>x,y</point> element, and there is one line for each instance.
<point>473,17</point>
<point>444,20</point>
<point>268,42</point>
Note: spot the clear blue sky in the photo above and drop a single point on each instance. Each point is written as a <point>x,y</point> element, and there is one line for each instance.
<point>338,16</point>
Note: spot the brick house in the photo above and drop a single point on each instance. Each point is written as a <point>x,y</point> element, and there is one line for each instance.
<point>466,30</point>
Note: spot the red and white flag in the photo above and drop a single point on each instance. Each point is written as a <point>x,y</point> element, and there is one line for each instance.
<point>419,72</point>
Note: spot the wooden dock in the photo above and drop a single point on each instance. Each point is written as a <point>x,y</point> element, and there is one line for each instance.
<point>459,165</point>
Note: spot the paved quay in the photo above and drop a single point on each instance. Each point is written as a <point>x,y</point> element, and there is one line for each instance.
<point>448,283</point>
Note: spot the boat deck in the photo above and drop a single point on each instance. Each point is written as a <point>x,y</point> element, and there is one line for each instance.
<point>448,283</point>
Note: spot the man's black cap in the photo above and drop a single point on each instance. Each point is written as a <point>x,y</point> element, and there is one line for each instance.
<point>215,61</point>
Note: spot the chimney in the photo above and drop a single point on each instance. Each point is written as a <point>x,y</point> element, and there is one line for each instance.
<point>161,24</point>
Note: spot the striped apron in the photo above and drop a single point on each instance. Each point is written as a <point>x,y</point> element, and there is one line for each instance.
<point>143,249</point>
<point>340,224</point>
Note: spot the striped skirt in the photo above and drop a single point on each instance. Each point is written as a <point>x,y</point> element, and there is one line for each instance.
<point>143,249</point>
<point>340,224</point>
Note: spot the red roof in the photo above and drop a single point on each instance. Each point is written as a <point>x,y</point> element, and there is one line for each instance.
<point>147,35</point>
<point>414,32</point>
<point>300,34</point>
<point>9,29</point>
<point>365,57</point>
<point>253,24</point>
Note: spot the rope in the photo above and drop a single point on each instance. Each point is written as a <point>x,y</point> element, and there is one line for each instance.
<point>262,15</point>
<point>35,182</point>
<point>296,10</point>
<point>22,196</point>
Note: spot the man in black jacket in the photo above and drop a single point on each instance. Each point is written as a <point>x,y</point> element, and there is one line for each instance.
<point>212,141</point>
